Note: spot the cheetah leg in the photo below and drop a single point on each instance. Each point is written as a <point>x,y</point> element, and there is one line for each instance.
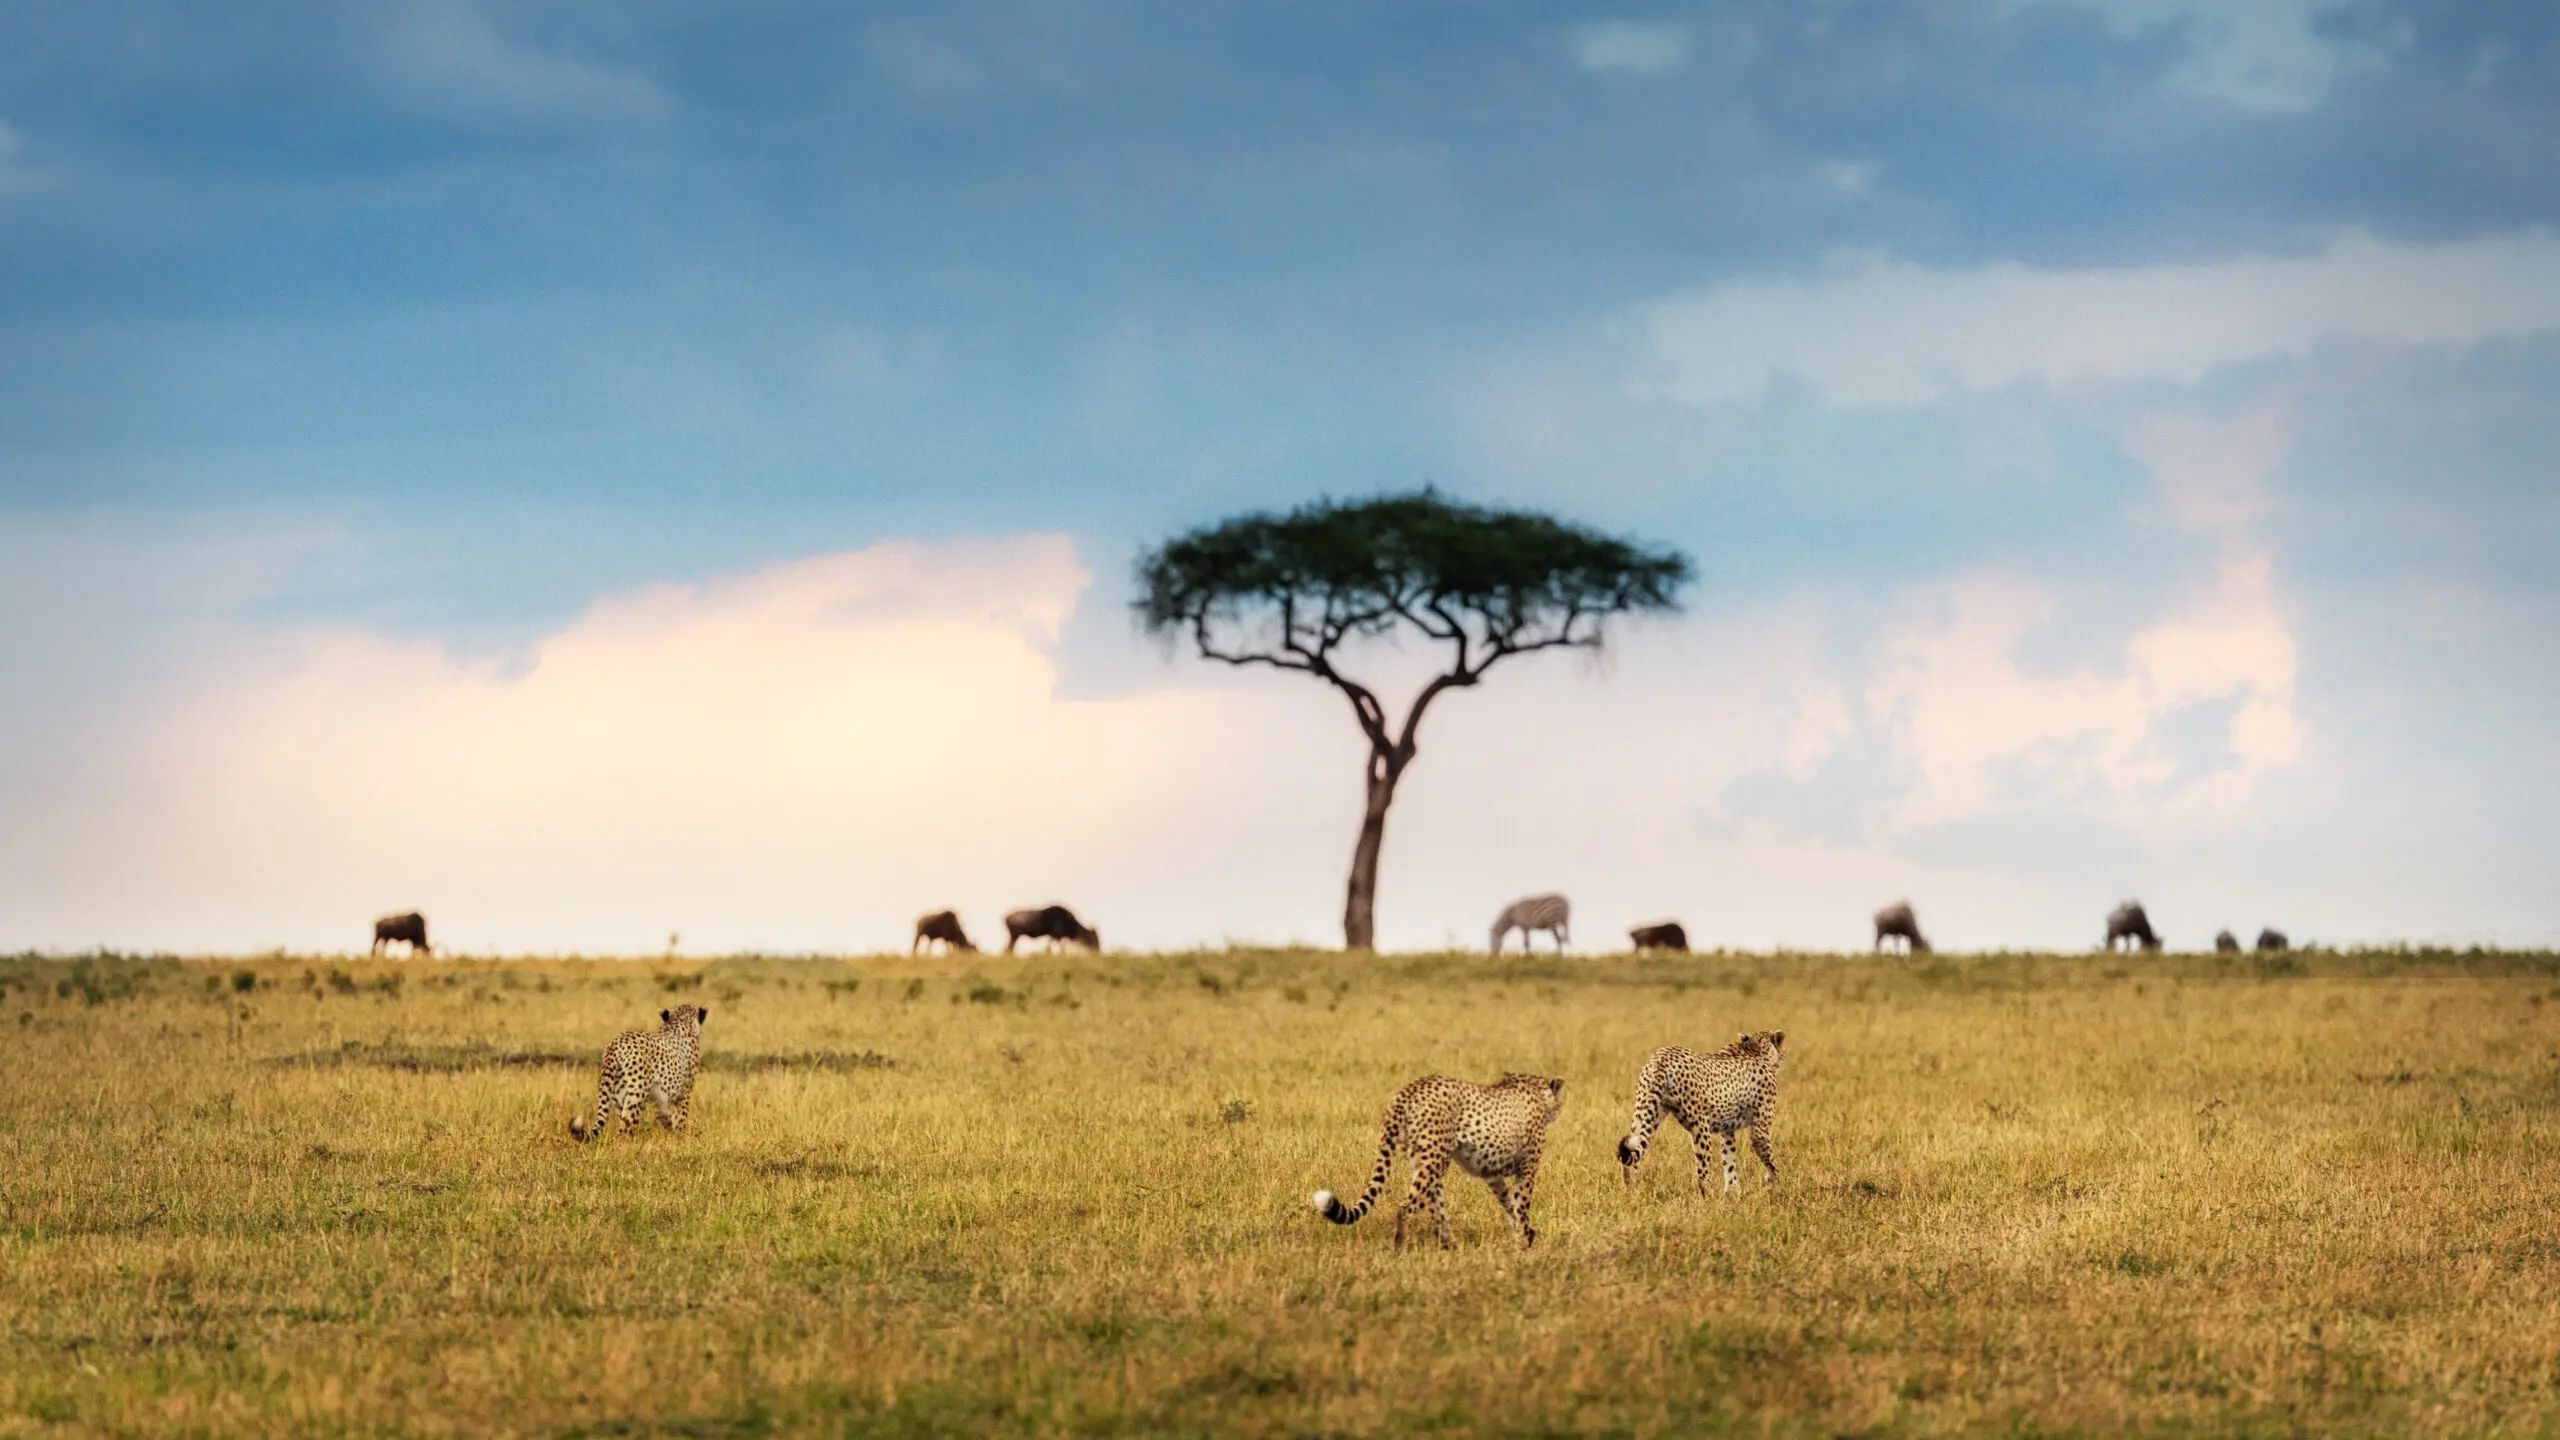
<point>1502,1196</point>
<point>1761,1146</point>
<point>1428,1170</point>
<point>603,1109</point>
<point>1518,1204</point>
<point>1699,1145</point>
<point>684,1109</point>
<point>1732,1171</point>
<point>1423,1168</point>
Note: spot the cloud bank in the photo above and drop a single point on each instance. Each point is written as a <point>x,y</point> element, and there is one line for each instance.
<point>1881,332</point>
<point>807,755</point>
<point>801,756</point>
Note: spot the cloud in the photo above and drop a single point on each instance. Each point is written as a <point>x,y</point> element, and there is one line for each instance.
<point>446,56</point>
<point>1874,331</point>
<point>1629,48</point>
<point>1848,177</point>
<point>2213,471</point>
<point>1978,729</point>
<point>799,756</point>
<point>2277,56</point>
<point>923,64</point>
<point>807,755</point>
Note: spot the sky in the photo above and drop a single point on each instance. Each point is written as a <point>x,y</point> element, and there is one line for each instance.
<point>670,474</point>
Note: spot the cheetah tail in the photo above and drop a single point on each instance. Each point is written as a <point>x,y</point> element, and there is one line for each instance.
<point>1648,1114</point>
<point>1331,1207</point>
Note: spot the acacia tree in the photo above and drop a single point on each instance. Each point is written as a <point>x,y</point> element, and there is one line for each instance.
<point>1289,591</point>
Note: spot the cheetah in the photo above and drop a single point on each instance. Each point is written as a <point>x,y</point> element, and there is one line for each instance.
<point>654,1065</point>
<point>1722,1092</point>
<point>1495,1131</point>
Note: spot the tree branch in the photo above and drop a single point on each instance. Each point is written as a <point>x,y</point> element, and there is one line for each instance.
<point>1455,679</point>
<point>1364,702</point>
<point>1210,652</point>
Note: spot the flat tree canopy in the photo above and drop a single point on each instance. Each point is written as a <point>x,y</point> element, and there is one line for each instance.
<point>1286,591</point>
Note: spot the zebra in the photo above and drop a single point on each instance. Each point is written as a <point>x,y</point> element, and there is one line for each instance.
<point>1539,912</point>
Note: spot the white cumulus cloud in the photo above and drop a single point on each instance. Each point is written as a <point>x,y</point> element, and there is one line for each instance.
<point>1979,728</point>
<point>808,755</point>
<point>801,756</point>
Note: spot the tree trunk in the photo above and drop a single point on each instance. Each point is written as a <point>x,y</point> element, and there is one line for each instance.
<point>1360,904</point>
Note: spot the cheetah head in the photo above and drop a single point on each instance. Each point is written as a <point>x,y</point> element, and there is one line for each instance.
<point>1759,1045</point>
<point>685,1017</point>
<point>1555,1094</point>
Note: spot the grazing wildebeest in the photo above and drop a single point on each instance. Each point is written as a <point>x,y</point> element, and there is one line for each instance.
<point>1666,936</point>
<point>942,925</point>
<point>2273,939</point>
<point>2127,923</point>
<point>1896,922</point>
<point>1551,913</point>
<point>410,929</point>
<point>2226,943</point>
<point>1054,923</point>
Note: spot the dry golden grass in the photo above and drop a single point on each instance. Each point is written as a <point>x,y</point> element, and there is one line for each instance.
<point>2041,1194</point>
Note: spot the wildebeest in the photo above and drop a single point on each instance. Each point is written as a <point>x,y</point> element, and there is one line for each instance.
<point>1049,922</point>
<point>1895,921</point>
<point>2127,923</point>
<point>1551,913</point>
<point>1666,936</point>
<point>2273,939</point>
<point>410,929</point>
<point>942,925</point>
<point>2226,943</point>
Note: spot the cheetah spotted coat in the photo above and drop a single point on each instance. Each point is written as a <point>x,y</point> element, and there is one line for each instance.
<point>656,1066</point>
<point>1722,1092</point>
<point>1495,1131</point>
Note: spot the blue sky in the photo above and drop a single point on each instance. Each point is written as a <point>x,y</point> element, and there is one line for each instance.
<point>2115,436</point>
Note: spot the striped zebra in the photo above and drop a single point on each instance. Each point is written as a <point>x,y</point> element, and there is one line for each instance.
<point>1539,912</point>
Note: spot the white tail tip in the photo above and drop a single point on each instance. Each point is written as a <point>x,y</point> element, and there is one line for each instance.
<point>1324,1202</point>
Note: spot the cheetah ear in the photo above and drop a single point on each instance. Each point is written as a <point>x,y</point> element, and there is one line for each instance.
<point>702,1015</point>
<point>1777,1039</point>
<point>666,1017</point>
<point>1555,1087</point>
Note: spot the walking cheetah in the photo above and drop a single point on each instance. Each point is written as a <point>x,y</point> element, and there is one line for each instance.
<point>1722,1092</point>
<point>1495,1131</point>
<point>654,1065</point>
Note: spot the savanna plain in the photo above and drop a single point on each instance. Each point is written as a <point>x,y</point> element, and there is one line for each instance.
<point>1069,1194</point>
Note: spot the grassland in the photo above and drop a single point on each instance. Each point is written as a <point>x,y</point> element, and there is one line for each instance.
<point>2032,1194</point>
